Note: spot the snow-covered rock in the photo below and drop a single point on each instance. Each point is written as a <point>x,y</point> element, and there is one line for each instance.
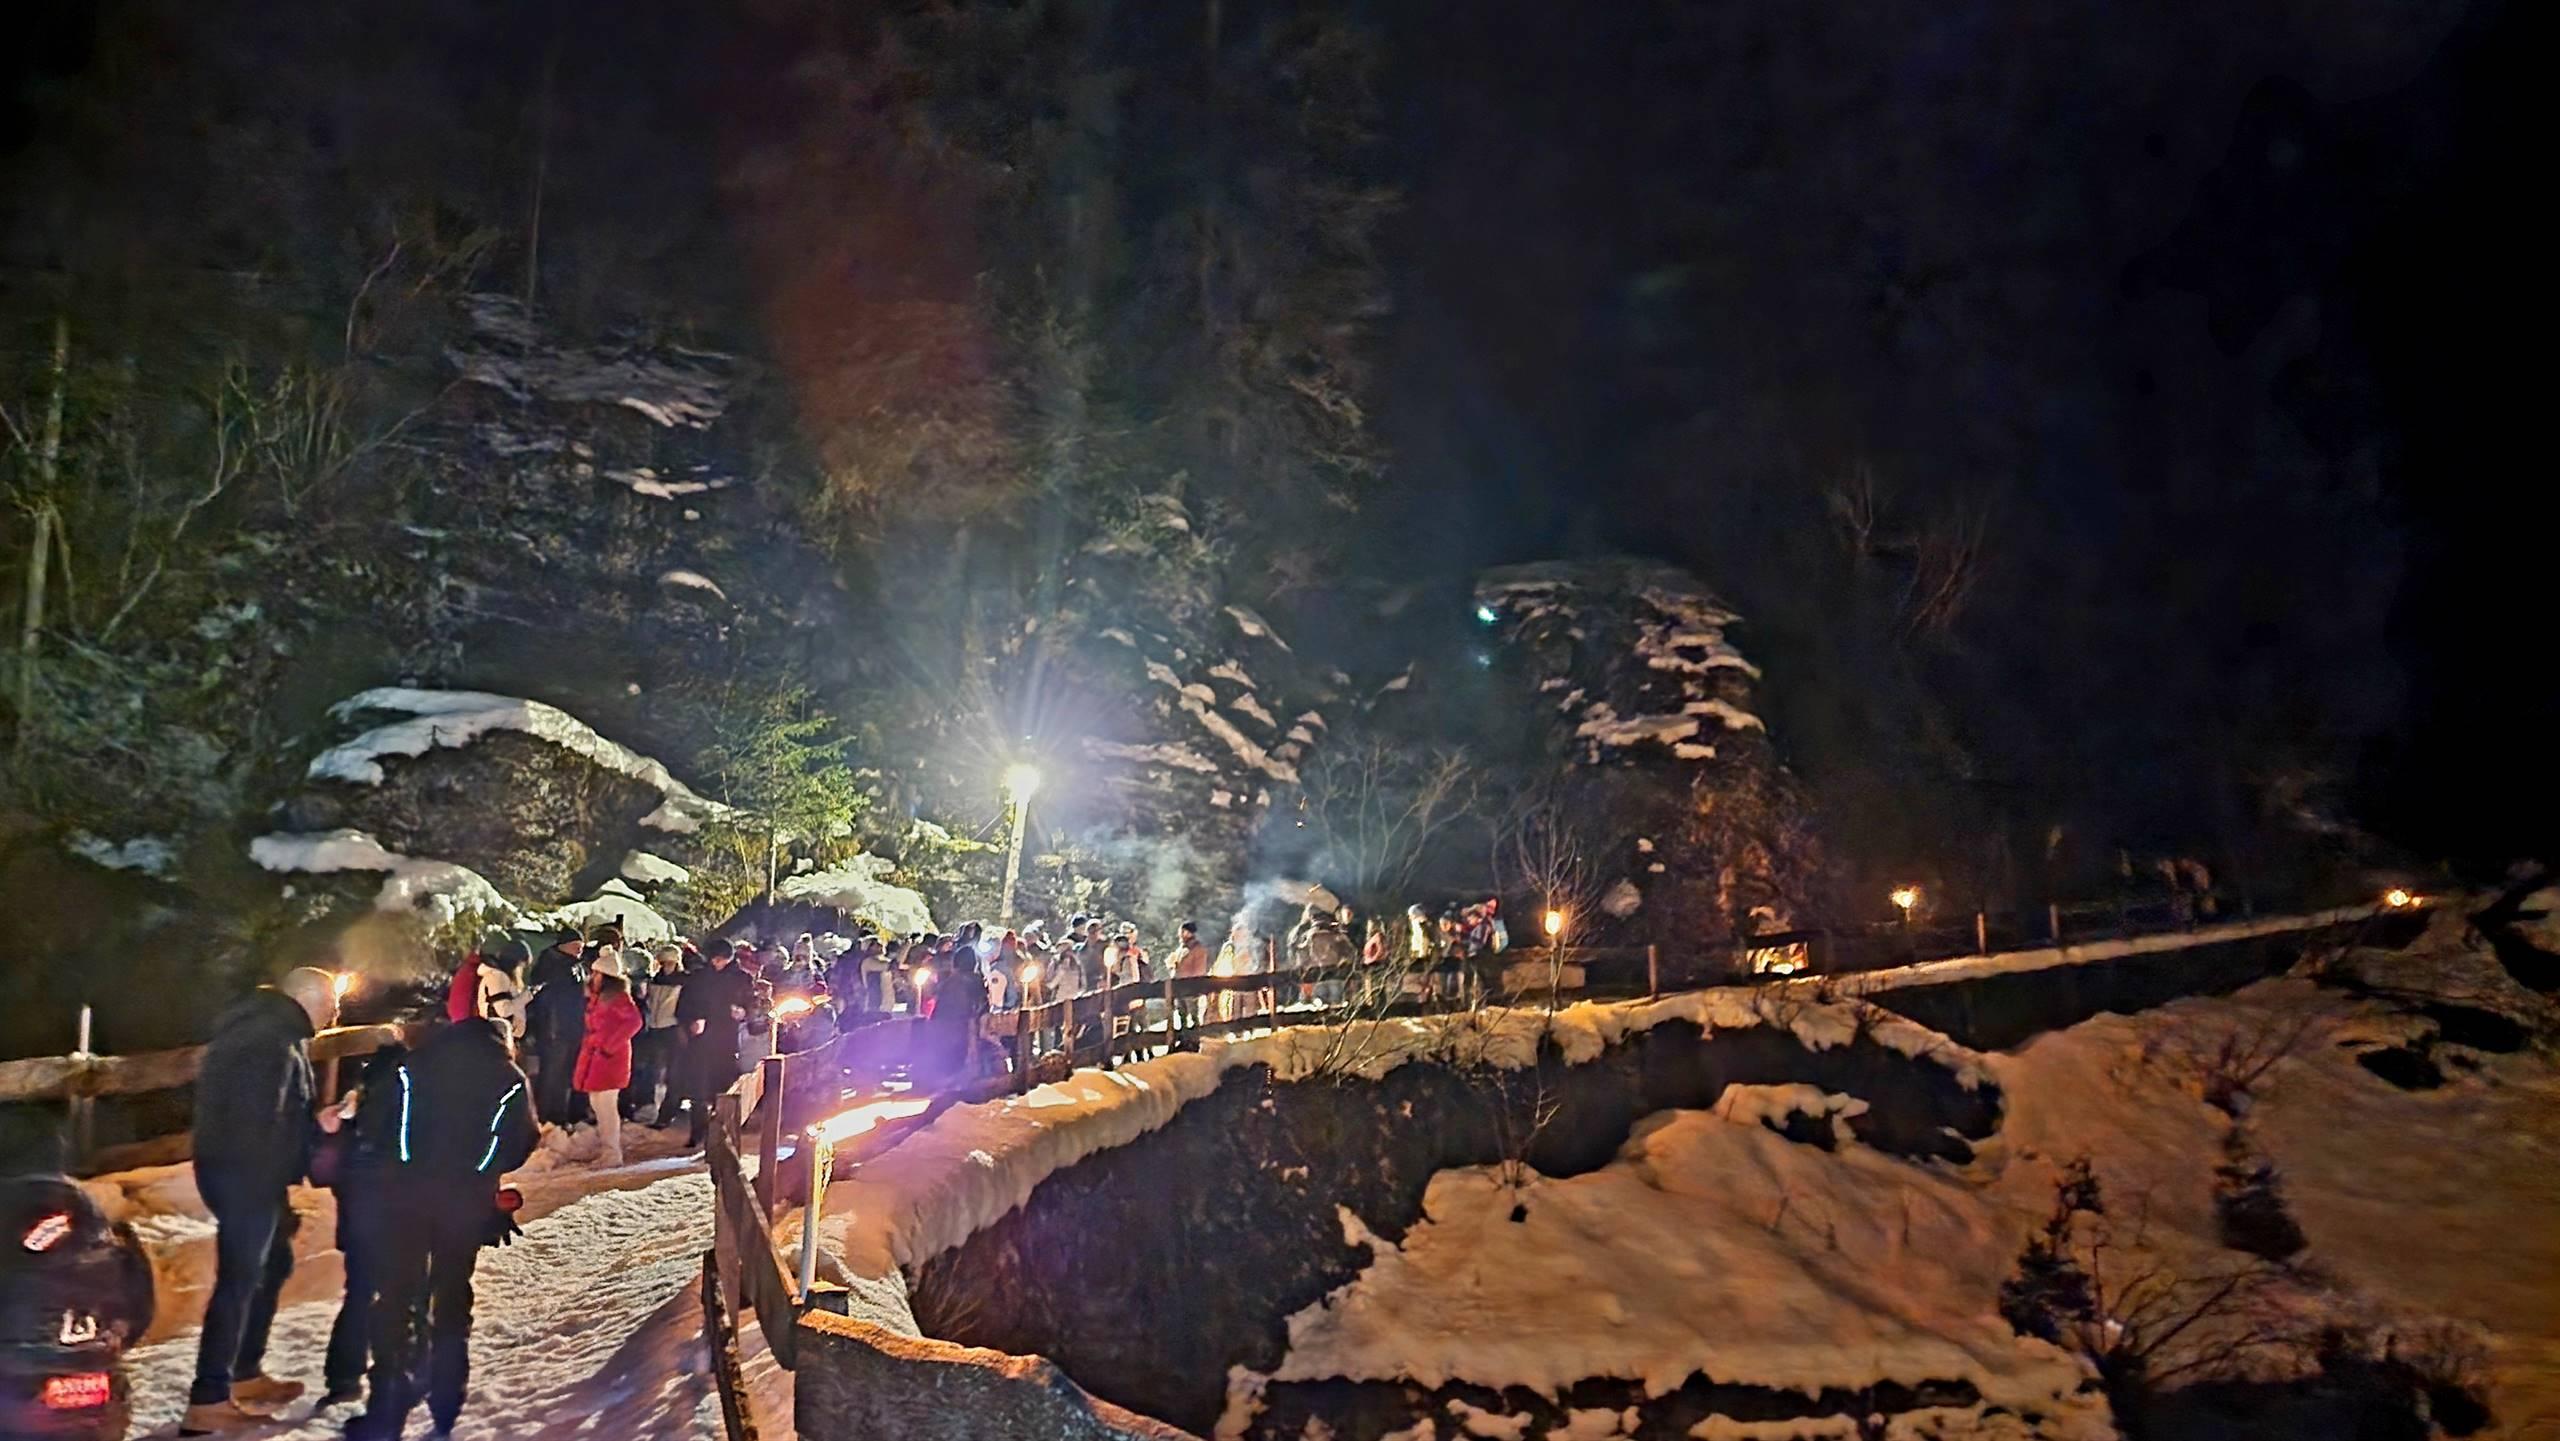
<point>860,886</point>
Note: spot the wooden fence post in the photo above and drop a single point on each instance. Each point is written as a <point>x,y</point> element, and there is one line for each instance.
<point>84,1107</point>
<point>769,1170</point>
<point>1170,1014</point>
<point>1110,1020</point>
<point>1653,972</point>
<point>2053,920</point>
<point>1981,934</point>
<point>1022,1050</point>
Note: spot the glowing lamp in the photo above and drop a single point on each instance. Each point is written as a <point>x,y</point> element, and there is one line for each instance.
<point>2398,899</point>
<point>1905,897</point>
<point>1555,924</point>
<point>1021,781</point>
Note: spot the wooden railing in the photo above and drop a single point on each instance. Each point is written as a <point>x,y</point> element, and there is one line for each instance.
<point>80,1080</point>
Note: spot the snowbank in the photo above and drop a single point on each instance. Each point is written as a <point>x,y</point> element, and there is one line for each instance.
<point>975,1163</point>
<point>457,718</point>
<point>440,891</point>
<point>856,885</point>
<point>1708,1246</point>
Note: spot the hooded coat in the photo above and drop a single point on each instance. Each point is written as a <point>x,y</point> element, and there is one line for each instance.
<point>254,1119</point>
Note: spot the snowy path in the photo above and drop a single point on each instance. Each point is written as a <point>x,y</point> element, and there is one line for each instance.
<point>588,1326</point>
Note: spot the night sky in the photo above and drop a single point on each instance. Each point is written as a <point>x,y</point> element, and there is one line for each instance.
<point>2208,318</point>
<point>2208,310</point>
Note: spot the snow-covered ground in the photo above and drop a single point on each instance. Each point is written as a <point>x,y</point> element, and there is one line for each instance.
<point>1715,1245</point>
<point>588,1326</point>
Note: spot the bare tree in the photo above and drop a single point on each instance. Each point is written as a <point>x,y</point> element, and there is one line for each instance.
<point>1378,808</point>
<point>2226,1064</point>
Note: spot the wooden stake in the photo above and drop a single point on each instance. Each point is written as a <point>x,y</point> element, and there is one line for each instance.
<point>769,1170</point>
<point>1653,971</point>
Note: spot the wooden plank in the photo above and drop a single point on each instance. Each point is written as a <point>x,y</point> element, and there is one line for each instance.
<point>773,1085</point>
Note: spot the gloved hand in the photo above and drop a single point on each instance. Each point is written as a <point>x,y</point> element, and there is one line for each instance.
<point>503,1229</point>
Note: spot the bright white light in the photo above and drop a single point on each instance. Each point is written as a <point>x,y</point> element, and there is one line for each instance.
<point>1030,973</point>
<point>1020,781</point>
<point>1905,897</point>
<point>2398,899</point>
<point>341,983</point>
<point>923,978</point>
<point>790,1006</point>
<point>1487,614</point>
<point>845,1125</point>
<point>1555,924</point>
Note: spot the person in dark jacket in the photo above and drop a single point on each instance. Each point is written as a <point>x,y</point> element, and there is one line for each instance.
<point>352,1162</point>
<point>461,1118</point>
<point>715,1000</point>
<point>556,1025</point>
<point>253,1135</point>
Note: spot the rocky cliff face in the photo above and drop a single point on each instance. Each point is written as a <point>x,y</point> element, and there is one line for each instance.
<point>1647,706</point>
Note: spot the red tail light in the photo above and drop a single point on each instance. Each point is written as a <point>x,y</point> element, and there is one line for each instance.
<point>510,1199</point>
<point>49,1232</point>
<point>78,1391</point>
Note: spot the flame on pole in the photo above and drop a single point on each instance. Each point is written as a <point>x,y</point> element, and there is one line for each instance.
<point>1904,898</point>
<point>1554,923</point>
<point>824,1136</point>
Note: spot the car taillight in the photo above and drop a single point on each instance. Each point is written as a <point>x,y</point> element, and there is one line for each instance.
<point>78,1391</point>
<point>49,1232</point>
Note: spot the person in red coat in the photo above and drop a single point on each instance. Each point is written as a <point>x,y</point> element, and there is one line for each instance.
<point>604,1058</point>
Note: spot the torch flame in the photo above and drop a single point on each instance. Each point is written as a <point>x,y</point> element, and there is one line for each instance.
<point>791,1006</point>
<point>2398,899</point>
<point>341,983</point>
<point>1555,924</point>
<point>1905,897</point>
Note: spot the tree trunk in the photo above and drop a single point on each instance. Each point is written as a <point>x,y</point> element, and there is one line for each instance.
<point>40,551</point>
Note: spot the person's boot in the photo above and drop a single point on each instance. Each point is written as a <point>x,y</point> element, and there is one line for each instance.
<point>218,1418</point>
<point>265,1393</point>
<point>341,1393</point>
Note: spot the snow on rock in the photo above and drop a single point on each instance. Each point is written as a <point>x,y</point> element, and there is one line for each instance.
<point>1601,725</point>
<point>1638,651</point>
<point>457,718</point>
<point>643,869</point>
<point>693,580</point>
<point>1254,625</point>
<point>1774,1106</point>
<point>151,855</point>
<point>613,904</point>
<point>1667,1263</point>
<point>645,480</point>
<point>440,891</point>
<point>673,387</point>
<point>858,885</point>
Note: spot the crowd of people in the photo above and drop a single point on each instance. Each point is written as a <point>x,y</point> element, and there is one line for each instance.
<point>576,1041</point>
